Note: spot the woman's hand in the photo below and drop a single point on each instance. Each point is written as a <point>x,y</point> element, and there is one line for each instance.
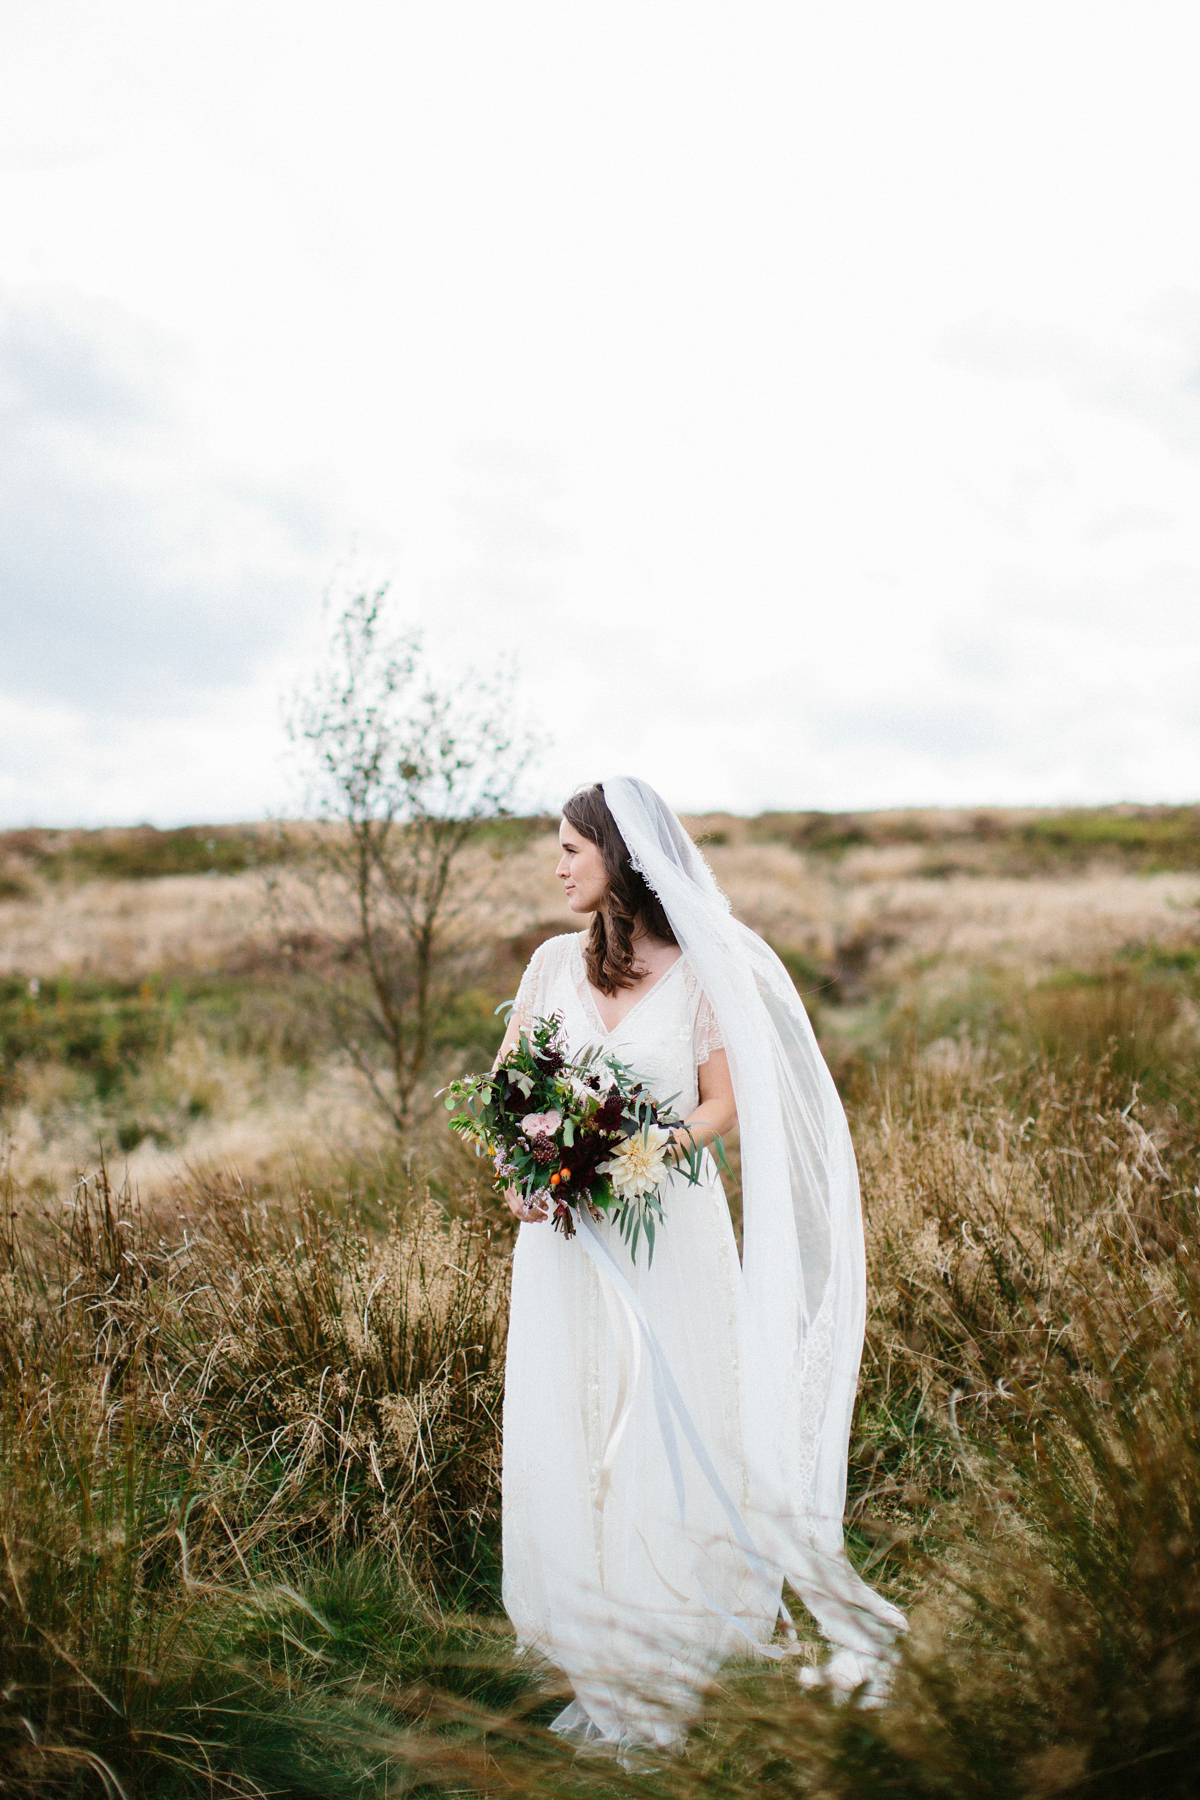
<point>683,1143</point>
<point>530,1212</point>
<point>716,1114</point>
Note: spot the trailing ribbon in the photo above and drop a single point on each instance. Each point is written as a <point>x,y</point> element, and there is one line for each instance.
<point>668,1400</point>
<point>627,1383</point>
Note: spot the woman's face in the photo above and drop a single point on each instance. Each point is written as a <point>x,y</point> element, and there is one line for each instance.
<point>581,870</point>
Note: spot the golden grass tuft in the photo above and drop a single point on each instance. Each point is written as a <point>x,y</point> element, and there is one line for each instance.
<point>249,1414</point>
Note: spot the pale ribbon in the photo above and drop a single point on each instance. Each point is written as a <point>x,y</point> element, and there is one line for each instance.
<point>624,1328</point>
<point>668,1400</point>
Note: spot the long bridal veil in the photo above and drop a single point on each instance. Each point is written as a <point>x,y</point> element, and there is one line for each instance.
<point>803,1263</point>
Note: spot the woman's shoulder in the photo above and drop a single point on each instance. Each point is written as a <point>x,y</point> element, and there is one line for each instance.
<point>554,950</point>
<point>691,980</point>
<point>544,971</point>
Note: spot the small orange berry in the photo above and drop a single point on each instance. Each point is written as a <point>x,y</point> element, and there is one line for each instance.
<point>564,1174</point>
<point>555,1179</point>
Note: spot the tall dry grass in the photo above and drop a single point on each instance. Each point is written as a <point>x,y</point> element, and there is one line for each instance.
<point>1027,1465</point>
<point>246,1466</point>
<point>249,1423</point>
<point>250,1480</point>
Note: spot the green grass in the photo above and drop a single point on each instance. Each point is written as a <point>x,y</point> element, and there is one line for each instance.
<point>249,1497</point>
<point>137,853</point>
<point>1151,838</point>
<point>225,1570</point>
<point>108,1033</point>
<point>1147,839</point>
<point>1142,838</point>
<point>144,853</point>
<point>105,1029</point>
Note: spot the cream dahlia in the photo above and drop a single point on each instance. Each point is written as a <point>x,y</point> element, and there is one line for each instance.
<point>639,1165</point>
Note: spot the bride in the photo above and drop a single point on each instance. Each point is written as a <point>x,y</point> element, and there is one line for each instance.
<point>675,1431</point>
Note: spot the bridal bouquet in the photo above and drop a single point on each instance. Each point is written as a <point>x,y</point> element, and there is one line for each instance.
<point>570,1134</point>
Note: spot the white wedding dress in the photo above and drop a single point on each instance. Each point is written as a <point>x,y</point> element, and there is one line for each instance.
<point>675,1432</point>
<point>600,1573</point>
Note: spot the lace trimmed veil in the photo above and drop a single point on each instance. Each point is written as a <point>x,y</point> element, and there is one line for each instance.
<point>803,1264</point>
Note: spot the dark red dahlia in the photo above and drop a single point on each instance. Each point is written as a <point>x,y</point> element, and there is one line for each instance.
<point>607,1118</point>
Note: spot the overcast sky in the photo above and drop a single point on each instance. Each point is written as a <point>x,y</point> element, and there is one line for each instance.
<point>808,396</point>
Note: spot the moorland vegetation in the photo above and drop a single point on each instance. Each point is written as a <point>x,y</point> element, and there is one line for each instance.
<point>251,1334</point>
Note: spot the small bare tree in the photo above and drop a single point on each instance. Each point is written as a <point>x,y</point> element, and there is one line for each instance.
<point>409,782</point>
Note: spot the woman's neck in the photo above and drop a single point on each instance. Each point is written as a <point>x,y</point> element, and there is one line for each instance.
<point>639,937</point>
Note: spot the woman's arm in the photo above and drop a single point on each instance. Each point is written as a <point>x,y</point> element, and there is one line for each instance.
<point>525,1005</point>
<point>512,1195</point>
<point>716,1114</point>
<point>509,1040</point>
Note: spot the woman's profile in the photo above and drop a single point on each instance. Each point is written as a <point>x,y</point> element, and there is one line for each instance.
<point>675,1430</point>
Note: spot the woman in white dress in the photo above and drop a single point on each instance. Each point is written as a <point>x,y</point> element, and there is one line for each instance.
<point>675,1430</point>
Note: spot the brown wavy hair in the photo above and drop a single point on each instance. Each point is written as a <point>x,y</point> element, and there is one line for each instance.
<point>608,953</point>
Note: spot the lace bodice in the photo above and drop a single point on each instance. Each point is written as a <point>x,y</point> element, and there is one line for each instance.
<point>665,1037</point>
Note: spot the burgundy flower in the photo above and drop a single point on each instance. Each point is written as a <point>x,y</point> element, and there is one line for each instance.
<point>608,1116</point>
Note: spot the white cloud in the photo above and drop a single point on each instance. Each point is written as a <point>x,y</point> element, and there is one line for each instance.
<point>808,397</point>
<point>144,585</point>
<point>1146,371</point>
<point>132,570</point>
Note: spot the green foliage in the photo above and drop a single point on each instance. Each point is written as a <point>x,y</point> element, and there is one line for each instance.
<point>103,1028</point>
<point>249,1498</point>
<point>197,1595</point>
<point>1132,1015</point>
<point>1144,838</point>
<point>413,784</point>
<point>817,986</point>
<point>207,1588</point>
<point>136,853</point>
<point>1114,1016</point>
<point>467,1027</point>
<point>596,1116</point>
<point>821,833</point>
<point>109,1032</point>
<point>1161,837</point>
<point>1028,1436</point>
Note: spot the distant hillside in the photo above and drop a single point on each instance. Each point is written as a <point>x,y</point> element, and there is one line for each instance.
<point>946,841</point>
<point>986,840</point>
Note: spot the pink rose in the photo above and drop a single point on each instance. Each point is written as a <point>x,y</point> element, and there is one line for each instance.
<point>541,1124</point>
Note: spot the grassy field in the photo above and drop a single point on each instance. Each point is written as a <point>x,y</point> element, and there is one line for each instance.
<point>252,1347</point>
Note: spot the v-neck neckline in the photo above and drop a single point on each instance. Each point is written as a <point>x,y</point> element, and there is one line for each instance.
<point>590,994</point>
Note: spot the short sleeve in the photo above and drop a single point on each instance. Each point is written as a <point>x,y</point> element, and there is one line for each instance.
<point>706,1033</point>
<point>527,1005</point>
